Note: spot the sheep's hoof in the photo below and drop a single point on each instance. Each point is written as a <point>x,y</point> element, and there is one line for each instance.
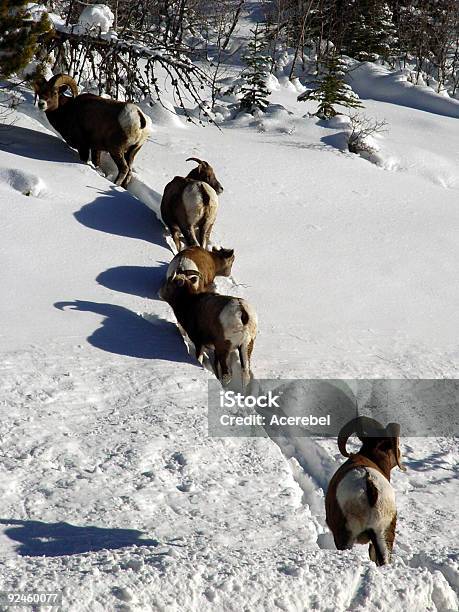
<point>246,378</point>
<point>226,379</point>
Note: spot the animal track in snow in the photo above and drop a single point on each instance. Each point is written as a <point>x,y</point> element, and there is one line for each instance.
<point>24,182</point>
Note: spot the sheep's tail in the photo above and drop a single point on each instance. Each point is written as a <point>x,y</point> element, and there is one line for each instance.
<point>372,491</point>
<point>249,317</point>
<point>245,318</point>
<point>134,124</point>
<point>205,194</point>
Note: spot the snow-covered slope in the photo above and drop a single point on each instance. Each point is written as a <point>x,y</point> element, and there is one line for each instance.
<point>111,489</point>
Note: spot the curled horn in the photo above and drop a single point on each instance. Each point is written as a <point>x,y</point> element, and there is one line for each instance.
<point>180,278</point>
<point>198,161</point>
<point>363,426</point>
<point>58,80</point>
<point>186,273</point>
<point>393,432</point>
<point>189,273</point>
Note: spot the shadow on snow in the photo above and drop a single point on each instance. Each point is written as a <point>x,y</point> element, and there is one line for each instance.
<point>143,281</point>
<point>117,212</point>
<point>37,145</point>
<point>55,539</point>
<point>126,333</point>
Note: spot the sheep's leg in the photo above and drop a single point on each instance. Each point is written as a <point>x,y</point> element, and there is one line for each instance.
<point>129,158</point>
<point>249,355</point>
<point>127,180</point>
<point>390,536</point>
<point>250,348</point>
<point>131,153</point>
<point>200,234</point>
<point>216,365</point>
<point>123,168</point>
<point>245,364</point>
<point>377,550</point>
<point>222,351</point>
<point>189,233</point>
<point>343,539</point>
<point>95,157</point>
<point>83,152</point>
<point>206,230</point>
<point>199,353</point>
<point>175,233</point>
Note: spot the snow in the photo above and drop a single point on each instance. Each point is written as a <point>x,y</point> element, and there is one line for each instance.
<point>379,83</point>
<point>111,488</point>
<point>36,10</point>
<point>96,16</point>
<point>23,182</point>
<point>162,113</point>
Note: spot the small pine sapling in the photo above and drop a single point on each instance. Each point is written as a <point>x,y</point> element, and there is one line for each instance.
<point>255,92</point>
<point>331,90</point>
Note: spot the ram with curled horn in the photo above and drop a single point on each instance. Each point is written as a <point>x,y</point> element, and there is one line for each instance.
<point>189,205</point>
<point>360,501</point>
<point>92,124</point>
<point>201,266</point>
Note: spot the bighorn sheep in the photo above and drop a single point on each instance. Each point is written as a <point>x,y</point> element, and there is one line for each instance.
<point>360,501</point>
<point>216,321</point>
<point>202,266</point>
<point>189,205</point>
<point>92,123</point>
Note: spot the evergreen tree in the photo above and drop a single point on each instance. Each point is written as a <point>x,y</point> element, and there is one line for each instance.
<point>331,90</point>
<point>18,35</point>
<point>255,93</point>
<point>371,32</point>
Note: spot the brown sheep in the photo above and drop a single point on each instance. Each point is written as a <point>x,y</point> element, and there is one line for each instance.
<point>93,124</point>
<point>211,320</point>
<point>189,205</point>
<point>202,266</point>
<point>360,501</point>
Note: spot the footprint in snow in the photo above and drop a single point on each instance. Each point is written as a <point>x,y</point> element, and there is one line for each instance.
<point>24,182</point>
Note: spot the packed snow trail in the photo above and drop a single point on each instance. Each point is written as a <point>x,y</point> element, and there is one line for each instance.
<point>298,451</point>
<point>312,462</point>
<point>111,486</point>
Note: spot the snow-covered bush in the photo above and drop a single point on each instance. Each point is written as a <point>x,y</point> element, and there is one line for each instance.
<point>96,17</point>
<point>362,129</point>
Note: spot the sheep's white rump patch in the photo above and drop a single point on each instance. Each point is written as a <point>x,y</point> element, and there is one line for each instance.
<point>129,119</point>
<point>233,328</point>
<point>351,495</point>
<point>24,182</point>
<point>194,203</point>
